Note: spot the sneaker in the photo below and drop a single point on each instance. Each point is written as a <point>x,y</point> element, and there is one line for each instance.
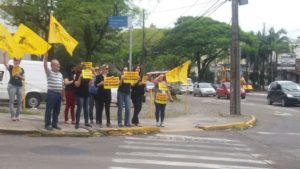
<point>49,128</point>
<point>162,124</point>
<point>56,127</point>
<point>76,126</point>
<point>87,125</point>
<point>157,124</point>
<point>13,119</point>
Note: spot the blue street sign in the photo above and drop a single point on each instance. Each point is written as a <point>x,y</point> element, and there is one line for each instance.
<point>118,21</point>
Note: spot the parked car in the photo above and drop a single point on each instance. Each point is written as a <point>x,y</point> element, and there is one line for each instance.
<point>204,89</point>
<point>224,91</point>
<point>284,92</point>
<point>186,88</point>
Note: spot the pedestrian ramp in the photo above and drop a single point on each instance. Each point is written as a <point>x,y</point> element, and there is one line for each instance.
<point>177,152</point>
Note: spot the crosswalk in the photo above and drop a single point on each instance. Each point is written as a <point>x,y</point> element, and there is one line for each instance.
<point>176,151</point>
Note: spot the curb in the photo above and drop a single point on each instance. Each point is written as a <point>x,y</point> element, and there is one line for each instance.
<point>238,125</point>
<point>88,133</point>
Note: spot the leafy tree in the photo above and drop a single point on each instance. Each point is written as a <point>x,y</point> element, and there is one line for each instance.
<point>200,39</point>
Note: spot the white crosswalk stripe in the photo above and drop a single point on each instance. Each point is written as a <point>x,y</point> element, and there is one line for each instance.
<point>173,151</point>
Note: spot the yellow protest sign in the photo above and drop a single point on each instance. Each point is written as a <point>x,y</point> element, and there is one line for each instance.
<point>87,74</point>
<point>144,80</point>
<point>163,86</point>
<point>131,77</point>
<point>16,70</point>
<point>8,44</point>
<point>161,98</point>
<point>111,82</point>
<point>30,42</point>
<point>88,65</point>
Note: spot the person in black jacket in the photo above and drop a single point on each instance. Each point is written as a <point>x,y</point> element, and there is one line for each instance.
<point>103,97</point>
<point>137,94</point>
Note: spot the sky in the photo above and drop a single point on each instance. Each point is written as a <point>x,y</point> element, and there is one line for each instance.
<point>279,14</point>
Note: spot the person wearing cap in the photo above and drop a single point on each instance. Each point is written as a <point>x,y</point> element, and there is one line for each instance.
<point>54,94</point>
<point>14,87</point>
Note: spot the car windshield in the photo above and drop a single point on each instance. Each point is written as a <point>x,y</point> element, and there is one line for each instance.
<point>291,87</point>
<point>204,85</point>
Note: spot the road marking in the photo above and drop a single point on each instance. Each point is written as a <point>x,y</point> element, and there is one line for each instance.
<point>274,133</point>
<point>182,164</point>
<point>277,113</point>
<point>150,138</point>
<point>120,168</point>
<point>189,146</point>
<point>184,156</point>
<point>152,148</point>
<point>187,138</point>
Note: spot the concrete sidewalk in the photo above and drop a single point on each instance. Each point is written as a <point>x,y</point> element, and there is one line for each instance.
<point>33,125</point>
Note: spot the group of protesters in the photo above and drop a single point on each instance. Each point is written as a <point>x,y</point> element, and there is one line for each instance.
<point>86,94</point>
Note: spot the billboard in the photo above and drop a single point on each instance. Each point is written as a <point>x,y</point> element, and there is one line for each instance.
<point>286,62</point>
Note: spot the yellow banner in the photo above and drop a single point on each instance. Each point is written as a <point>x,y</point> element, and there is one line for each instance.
<point>30,42</point>
<point>144,80</point>
<point>111,82</point>
<point>16,70</point>
<point>88,65</point>
<point>8,44</point>
<point>131,77</point>
<point>161,98</point>
<point>87,74</point>
<point>163,86</point>
<point>178,74</point>
<point>58,34</point>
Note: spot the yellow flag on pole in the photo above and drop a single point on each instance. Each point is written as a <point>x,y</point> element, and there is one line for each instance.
<point>8,44</point>
<point>57,34</point>
<point>30,42</point>
<point>178,74</point>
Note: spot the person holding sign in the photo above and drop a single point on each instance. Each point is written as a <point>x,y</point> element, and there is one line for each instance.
<point>161,95</point>
<point>82,83</point>
<point>137,94</point>
<point>123,97</point>
<point>14,86</point>
<point>103,97</point>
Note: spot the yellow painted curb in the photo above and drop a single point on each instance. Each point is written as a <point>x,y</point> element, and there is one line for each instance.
<point>238,125</point>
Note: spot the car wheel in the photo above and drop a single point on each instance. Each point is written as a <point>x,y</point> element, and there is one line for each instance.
<point>243,97</point>
<point>33,100</point>
<point>283,102</point>
<point>269,101</point>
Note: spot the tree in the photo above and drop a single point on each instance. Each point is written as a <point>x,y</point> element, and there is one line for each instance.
<point>200,39</point>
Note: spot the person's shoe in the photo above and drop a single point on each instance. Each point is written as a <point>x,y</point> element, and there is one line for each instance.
<point>127,125</point>
<point>120,125</point>
<point>17,119</point>
<point>157,124</point>
<point>49,128</point>
<point>76,126</point>
<point>13,119</point>
<point>138,125</point>
<point>162,124</point>
<point>56,127</point>
<point>87,125</point>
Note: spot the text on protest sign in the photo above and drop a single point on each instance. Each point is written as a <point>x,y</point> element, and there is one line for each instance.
<point>111,82</point>
<point>131,77</point>
<point>161,98</point>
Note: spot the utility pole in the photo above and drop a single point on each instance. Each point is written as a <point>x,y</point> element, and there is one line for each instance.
<point>144,55</point>
<point>235,98</point>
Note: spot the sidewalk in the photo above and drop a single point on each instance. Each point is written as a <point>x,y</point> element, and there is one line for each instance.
<point>33,125</point>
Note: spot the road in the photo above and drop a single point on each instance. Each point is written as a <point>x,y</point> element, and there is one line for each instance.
<point>273,143</point>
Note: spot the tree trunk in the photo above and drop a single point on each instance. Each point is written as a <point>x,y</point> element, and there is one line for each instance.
<point>198,60</point>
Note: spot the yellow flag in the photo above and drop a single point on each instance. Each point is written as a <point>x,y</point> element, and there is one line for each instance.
<point>178,74</point>
<point>8,44</point>
<point>30,42</point>
<point>57,34</point>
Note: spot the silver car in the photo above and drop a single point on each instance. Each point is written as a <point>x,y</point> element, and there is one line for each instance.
<point>204,89</point>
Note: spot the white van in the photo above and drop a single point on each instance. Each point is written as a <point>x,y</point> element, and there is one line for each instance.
<point>186,88</point>
<point>35,82</point>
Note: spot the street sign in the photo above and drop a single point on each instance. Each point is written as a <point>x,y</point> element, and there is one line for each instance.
<point>118,21</point>
<point>286,62</point>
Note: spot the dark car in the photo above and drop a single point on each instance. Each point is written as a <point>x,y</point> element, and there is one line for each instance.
<point>224,91</point>
<point>284,92</point>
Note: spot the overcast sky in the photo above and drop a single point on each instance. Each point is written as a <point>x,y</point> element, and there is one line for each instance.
<point>274,13</point>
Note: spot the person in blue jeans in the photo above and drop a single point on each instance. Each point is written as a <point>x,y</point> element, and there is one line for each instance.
<point>123,98</point>
<point>54,95</point>
<point>82,97</point>
<point>14,86</point>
